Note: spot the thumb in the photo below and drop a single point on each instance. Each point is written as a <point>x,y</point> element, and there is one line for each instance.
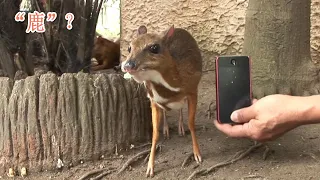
<point>254,101</point>
<point>243,115</point>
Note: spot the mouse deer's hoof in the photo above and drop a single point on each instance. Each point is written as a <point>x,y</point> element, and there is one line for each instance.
<point>181,130</point>
<point>150,170</point>
<point>166,132</point>
<point>197,158</point>
<point>182,133</point>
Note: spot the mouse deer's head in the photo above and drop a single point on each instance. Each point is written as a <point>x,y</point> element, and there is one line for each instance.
<point>147,53</point>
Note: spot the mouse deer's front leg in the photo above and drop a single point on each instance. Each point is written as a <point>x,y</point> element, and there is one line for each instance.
<point>156,112</point>
<point>192,108</point>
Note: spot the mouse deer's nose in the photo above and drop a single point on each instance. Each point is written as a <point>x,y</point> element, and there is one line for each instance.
<point>129,66</point>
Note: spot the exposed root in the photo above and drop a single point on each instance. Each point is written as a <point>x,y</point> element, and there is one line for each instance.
<point>252,176</point>
<point>102,175</point>
<point>96,171</point>
<point>266,153</point>
<point>236,157</point>
<point>91,173</point>
<point>186,160</point>
<point>313,156</point>
<point>141,146</point>
<point>113,158</point>
<point>195,166</point>
<point>209,111</point>
<point>135,158</point>
<point>145,161</point>
<point>195,173</point>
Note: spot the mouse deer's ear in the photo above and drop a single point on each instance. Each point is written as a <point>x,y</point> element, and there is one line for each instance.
<point>142,30</point>
<point>169,32</point>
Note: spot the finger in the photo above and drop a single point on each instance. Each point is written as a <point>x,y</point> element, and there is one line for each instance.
<point>243,115</point>
<point>254,101</point>
<point>233,131</point>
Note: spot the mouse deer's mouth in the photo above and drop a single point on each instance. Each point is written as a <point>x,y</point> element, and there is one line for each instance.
<point>143,67</point>
<point>136,68</point>
<point>140,72</point>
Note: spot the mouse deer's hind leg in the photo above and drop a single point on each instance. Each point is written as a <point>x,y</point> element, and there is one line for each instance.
<point>165,125</point>
<point>180,127</point>
<point>156,111</point>
<point>192,108</point>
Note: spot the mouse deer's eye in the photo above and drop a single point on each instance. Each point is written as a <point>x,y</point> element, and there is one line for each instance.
<point>129,49</point>
<point>154,48</point>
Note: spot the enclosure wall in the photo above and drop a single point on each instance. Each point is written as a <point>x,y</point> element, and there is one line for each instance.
<point>218,25</point>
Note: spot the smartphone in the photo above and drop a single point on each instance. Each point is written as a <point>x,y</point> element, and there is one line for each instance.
<point>233,86</point>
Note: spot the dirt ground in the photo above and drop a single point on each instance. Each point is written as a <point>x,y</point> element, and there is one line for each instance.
<point>296,155</point>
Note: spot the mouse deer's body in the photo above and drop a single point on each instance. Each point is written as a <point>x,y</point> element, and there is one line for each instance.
<point>170,66</point>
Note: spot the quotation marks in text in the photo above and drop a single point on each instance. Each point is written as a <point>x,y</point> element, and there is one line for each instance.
<point>37,19</point>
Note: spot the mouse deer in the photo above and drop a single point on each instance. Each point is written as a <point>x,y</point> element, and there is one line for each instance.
<point>170,66</point>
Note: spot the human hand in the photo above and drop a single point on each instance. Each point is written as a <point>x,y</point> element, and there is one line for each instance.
<point>266,119</point>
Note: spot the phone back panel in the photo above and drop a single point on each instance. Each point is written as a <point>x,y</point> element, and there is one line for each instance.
<point>233,85</point>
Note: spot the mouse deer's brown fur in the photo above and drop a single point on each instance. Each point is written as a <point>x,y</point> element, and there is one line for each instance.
<point>106,52</point>
<point>170,66</point>
<point>166,126</point>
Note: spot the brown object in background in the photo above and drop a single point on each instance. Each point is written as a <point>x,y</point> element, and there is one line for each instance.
<point>106,52</point>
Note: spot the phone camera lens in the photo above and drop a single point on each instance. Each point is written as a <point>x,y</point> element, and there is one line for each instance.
<point>233,62</point>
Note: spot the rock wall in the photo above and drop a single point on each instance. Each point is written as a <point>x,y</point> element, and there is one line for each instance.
<point>315,30</point>
<point>217,25</point>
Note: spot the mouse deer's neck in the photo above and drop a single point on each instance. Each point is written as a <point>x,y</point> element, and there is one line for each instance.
<point>166,77</point>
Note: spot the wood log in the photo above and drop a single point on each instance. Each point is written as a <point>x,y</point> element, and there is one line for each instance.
<point>74,118</point>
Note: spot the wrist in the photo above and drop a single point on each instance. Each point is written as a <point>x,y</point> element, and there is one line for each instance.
<point>308,109</point>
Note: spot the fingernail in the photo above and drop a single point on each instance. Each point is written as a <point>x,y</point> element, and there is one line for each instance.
<point>234,116</point>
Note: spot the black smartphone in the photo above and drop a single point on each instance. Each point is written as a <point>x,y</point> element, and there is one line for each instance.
<point>233,85</point>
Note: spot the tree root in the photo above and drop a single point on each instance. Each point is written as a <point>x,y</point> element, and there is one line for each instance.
<point>96,171</point>
<point>102,175</point>
<point>141,146</point>
<point>135,158</point>
<point>90,173</point>
<point>252,176</point>
<point>146,159</point>
<point>209,111</point>
<point>238,156</point>
<point>313,156</point>
<point>186,160</point>
<point>266,153</point>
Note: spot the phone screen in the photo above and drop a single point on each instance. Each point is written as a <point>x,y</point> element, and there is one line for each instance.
<point>233,85</point>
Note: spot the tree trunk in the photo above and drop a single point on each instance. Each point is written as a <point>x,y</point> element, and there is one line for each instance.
<point>77,117</point>
<point>277,38</point>
<point>13,38</point>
